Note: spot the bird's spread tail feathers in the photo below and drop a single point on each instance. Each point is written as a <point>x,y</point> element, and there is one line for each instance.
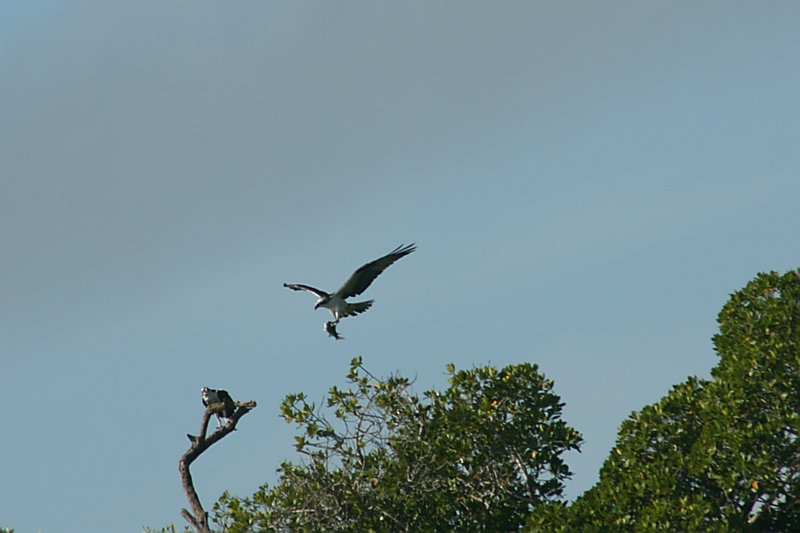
<point>357,307</point>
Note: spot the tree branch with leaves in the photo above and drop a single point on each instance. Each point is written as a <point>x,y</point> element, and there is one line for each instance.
<point>477,456</point>
<point>719,454</point>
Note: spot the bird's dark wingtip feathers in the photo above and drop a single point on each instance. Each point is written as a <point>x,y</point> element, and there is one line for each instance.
<point>404,249</point>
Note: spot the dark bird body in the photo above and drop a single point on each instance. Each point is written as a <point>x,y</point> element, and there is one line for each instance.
<point>212,396</point>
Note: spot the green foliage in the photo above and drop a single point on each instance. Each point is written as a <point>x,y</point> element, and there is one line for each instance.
<point>477,456</point>
<point>717,455</point>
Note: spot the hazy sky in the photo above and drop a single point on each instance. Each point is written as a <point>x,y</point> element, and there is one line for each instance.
<point>586,183</point>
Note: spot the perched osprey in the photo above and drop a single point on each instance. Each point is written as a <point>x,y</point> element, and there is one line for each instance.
<point>212,396</point>
<point>355,285</point>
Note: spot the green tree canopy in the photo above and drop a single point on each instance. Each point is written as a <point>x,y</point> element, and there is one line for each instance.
<point>713,455</point>
<point>476,457</point>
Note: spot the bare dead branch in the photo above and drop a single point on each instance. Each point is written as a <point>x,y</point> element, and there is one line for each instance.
<point>198,518</point>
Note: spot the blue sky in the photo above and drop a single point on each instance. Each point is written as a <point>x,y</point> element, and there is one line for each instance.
<point>586,184</point>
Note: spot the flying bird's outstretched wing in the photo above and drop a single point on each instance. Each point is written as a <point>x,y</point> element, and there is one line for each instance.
<point>301,287</point>
<point>366,274</point>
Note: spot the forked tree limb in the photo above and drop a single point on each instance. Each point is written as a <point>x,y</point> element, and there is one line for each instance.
<point>198,518</point>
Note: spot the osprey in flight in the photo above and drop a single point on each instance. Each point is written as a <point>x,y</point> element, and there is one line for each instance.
<point>355,285</point>
<point>212,396</point>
